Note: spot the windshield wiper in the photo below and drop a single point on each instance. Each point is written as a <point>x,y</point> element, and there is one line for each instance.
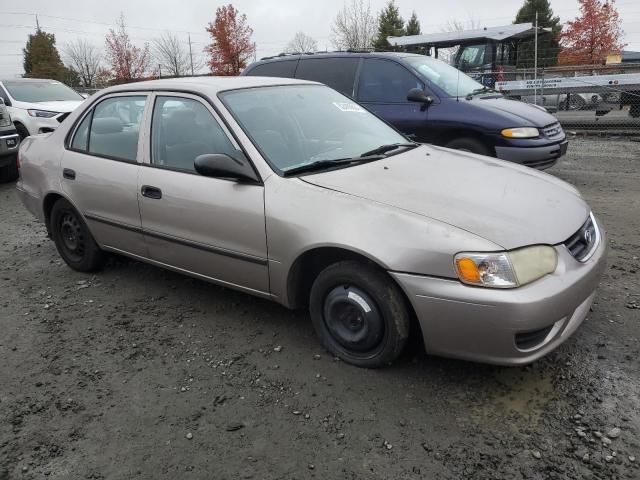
<point>478,91</point>
<point>322,164</point>
<point>387,148</point>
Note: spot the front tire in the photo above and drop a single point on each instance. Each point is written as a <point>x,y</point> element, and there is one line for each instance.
<point>74,242</point>
<point>359,314</point>
<point>468,144</point>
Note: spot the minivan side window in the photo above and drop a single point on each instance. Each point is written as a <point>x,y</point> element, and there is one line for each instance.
<point>284,69</point>
<point>339,73</point>
<point>183,129</point>
<point>115,127</point>
<point>384,81</point>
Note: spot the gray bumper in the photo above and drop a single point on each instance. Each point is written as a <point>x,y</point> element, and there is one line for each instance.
<point>488,325</point>
<point>536,157</point>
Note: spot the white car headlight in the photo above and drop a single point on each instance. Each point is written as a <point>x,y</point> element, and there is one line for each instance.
<point>520,132</point>
<point>506,269</point>
<point>42,113</point>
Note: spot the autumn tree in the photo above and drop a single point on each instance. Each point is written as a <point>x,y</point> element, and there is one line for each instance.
<point>127,61</point>
<point>42,59</point>
<point>413,25</point>
<point>84,58</point>
<point>390,24</point>
<point>172,55</point>
<point>548,43</point>
<point>593,35</point>
<point>231,47</point>
<point>301,43</point>
<point>354,27</point>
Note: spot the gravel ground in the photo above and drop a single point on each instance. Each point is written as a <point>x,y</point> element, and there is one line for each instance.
<point>141,373</point>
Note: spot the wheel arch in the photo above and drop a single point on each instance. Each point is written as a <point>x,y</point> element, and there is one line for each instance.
<point>455,133</point>
<point>49,200</point>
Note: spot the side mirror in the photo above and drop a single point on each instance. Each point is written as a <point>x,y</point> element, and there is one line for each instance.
<point>6,102</point>
<point>1,101</point>
<point>417,95</point>
<point>221,165</point>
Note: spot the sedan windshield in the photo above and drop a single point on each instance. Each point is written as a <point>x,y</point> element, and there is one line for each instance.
<point>41,91</point>
<point>297,125</point>
<point>451,80</point>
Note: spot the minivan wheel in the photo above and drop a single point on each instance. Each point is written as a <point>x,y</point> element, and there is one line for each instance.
<point>468,144</point>
<point>359,314</point>
<point>74,242</point>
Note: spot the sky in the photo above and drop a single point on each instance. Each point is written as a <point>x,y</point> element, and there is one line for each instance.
<point>274,22</point>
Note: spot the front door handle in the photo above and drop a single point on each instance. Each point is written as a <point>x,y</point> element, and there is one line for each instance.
<point>69,174</point>
<point>151,192</point>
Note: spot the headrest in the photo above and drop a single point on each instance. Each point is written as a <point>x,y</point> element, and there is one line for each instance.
<point>106,125</point>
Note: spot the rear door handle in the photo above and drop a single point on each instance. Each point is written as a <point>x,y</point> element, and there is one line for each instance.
<point>151,192</point>
<point>69,174</point>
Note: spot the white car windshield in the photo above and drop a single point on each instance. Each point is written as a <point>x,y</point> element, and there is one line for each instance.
<point>451,80</point>
<point>41,91</point>
<point>296,125</point>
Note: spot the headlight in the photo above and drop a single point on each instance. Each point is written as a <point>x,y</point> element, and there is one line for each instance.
<point>520,132</point>
<point>42,113</point>
<point>506,269</point>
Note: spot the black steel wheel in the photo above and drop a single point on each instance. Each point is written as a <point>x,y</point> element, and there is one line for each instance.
<point>359,314</point>
<point>73,240</point>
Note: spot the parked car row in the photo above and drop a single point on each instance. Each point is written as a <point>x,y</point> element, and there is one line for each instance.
<point>292,191</point>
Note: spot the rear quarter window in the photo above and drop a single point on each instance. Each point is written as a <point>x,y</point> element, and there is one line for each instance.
<point>284,69</point>
<point>338,73</point>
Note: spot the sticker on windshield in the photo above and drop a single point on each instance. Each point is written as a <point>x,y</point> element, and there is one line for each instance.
<point>349,107</point>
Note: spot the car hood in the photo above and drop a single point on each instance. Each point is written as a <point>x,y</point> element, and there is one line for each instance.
<point>61,106</point>
<point>520,113</point>
<point>507,204</point>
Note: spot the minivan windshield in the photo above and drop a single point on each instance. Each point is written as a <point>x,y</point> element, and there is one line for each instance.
<point>298,125</point>
<point>41,91</point>
<point>451,80</point>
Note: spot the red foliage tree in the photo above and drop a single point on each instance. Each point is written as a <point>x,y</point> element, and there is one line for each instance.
<point>128,62</point>
<point>231,46</point>
<point>593,35</point>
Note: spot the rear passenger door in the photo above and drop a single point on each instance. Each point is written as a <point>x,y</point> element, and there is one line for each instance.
<point>383,86</point>
<point>338,73</point>
<point>203,225</point>
<point>100,170</point>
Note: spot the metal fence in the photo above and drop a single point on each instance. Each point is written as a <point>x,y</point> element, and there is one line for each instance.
<point>590,98</point>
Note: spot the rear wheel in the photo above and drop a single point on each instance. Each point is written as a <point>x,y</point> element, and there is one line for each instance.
<point>468,144</point>
<point>73,240</point>
<point>10,172</point>
<point>359,314</point>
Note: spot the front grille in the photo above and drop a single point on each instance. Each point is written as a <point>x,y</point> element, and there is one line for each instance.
<point>553,131</point>
<point>529,340</point>
<point>584,241</point>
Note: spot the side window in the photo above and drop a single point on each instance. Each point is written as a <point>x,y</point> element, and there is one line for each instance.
<point>284,69</point>
<point>115,127</point>
<point>382,81</point>
<point>81,136</point>
<point>339,73</point>
<point>183,129</point>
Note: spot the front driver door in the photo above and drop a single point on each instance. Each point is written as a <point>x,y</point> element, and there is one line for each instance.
<point>211,227</point>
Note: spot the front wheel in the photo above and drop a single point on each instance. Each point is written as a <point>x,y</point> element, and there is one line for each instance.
<point>73,240</point>
<point>359,314</point>
<point>468,144</point>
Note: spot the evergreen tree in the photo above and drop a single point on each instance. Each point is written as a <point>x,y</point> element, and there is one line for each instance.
<point>390,24</point>
<point>42,59</point>
<point>548,43</point>
<point>413,25</point>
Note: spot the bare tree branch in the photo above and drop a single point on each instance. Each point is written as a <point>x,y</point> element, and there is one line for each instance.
<point>355,26</point>
<point>172,54</point>
<point>85,59</point>
<point>301,43</point>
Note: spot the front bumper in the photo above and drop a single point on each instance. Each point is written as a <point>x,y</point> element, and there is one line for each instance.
<point>8,147</point>
<point>505,327</point>
<point>537,157</point>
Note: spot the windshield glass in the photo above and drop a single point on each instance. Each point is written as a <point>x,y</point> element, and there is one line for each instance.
<point>297,125</point>
<point>451,80</point>
<point>41,91</point>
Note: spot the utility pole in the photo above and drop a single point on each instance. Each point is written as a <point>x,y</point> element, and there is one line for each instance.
<point>159,70</point>
<point>37,24</point>
<point>535,65</point>
<point>191,55</point>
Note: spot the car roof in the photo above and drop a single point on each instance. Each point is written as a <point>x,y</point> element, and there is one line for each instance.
<point>367,54</point>
<point>29,80</point>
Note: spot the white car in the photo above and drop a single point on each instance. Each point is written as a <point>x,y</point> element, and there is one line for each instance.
<point>38,105</point>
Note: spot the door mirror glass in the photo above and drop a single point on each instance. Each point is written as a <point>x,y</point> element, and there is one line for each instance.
<point>417,95</point>
<point>221,165</point>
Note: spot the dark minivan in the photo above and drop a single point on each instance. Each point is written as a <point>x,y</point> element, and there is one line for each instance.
<point>432,102</point>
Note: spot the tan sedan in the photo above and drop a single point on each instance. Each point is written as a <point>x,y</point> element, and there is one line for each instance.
<point>288,190</point>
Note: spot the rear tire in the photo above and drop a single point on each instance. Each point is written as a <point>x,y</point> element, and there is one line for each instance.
<point>10,172</point>
<point>468,144</point>
<point>359,314</point>
<point>73,239</point>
